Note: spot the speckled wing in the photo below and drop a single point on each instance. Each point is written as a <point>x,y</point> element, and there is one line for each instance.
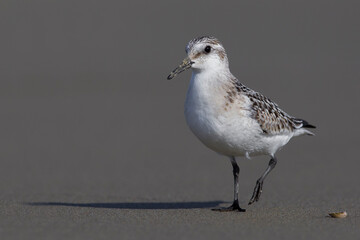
<point>270,117</point>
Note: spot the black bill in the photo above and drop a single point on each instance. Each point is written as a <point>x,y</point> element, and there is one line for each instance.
<point>186,64</point>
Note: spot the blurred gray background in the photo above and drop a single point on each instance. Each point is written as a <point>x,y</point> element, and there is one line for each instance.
<point>94,144</point>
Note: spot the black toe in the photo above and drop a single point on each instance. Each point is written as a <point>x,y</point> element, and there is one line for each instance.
<point>234,207</point>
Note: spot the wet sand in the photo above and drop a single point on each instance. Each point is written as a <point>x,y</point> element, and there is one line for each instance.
<point>94,144</point>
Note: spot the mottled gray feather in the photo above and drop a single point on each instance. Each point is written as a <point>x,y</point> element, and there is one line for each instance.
<point>270,117</point>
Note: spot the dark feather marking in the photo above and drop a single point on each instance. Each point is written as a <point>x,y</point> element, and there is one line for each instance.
<point>270,117</point>
<point>305,124</point>
<point>205,39</point>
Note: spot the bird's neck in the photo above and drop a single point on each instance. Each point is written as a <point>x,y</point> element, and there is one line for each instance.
<point>215,76</point>
<point>208,85</point>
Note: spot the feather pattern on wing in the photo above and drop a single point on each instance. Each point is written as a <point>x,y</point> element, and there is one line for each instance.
<point>270,117</point>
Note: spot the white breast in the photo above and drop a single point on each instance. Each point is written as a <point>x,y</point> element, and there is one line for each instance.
<point>225,127</point>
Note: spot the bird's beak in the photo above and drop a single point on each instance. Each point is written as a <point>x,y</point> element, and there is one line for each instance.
<point>186,64</point>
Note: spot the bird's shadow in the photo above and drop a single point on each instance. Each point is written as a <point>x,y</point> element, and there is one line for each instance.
<point>133,205</point>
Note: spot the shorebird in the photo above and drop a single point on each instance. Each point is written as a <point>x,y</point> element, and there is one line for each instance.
<point>230,118</point>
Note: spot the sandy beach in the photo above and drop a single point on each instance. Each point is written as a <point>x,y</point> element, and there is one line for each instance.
<point>94,143</point>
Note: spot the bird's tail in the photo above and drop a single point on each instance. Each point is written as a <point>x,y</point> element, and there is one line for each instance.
<point>304,124</point>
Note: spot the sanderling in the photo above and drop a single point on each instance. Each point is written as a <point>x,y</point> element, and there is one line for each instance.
<point>230,118</point>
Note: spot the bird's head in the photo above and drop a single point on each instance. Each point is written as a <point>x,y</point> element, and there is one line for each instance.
<point>203,53</point>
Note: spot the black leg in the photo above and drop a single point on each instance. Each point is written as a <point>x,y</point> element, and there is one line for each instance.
<point>259,183</point>
<point>235,206</point>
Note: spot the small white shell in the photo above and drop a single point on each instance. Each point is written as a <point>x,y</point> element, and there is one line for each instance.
<point>338,215</point>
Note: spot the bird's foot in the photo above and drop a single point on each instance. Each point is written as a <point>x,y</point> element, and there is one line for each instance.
<point>257,192</point>
<point>234,207</point>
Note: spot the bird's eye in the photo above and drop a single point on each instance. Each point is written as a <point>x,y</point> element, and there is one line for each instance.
<point>207,49</point>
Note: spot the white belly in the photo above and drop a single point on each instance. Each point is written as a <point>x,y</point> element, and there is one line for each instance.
<point>226,129</point>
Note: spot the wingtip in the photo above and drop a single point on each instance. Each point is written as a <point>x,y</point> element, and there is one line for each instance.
<point>305,124</point>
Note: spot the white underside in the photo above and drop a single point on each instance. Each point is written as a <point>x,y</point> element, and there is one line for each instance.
<point>231,132</point>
